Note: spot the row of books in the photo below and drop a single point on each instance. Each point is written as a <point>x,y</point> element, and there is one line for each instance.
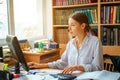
<point>110,14</point>
<point>72,2</point>
<point>61,16</point>
<point>109,0</point>
<point>111,36</point>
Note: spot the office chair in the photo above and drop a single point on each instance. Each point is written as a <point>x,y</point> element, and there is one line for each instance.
<point>112,63</point>
<point>108,65</point>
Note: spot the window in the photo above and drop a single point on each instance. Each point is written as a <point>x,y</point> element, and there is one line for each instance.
<point>28,18</point>
<point>23,18</point>
<point>3,19</point>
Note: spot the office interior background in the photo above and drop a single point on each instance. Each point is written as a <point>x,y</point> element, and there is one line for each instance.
<point>27,19</point>
<point>37,19</point>
<point>32,20</point>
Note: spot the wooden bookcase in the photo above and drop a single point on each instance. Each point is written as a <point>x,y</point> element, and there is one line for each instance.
<point>61,9</point>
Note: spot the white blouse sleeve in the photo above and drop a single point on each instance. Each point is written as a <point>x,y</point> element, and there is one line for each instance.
<point>97,63</point>
<point>61,63</point>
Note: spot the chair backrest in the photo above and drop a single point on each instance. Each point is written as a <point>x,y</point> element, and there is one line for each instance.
<point>116,62</point>
<point>108,65</point>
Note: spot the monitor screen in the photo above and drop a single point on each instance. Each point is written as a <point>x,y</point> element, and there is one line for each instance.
<point>15,49</point>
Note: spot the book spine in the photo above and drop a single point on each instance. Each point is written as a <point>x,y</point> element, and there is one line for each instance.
<point>114,15</point>
<point>104,35</point>
<point>102,15</point>
<point>111,14</point>
<point>111,37</point>
<point>106,14</point>
<point>118,15</point>
<point>108,36</point>
<point>119,37</point>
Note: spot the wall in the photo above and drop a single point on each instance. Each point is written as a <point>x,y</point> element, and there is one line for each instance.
<point>48,18</point>
<point>47,11</point>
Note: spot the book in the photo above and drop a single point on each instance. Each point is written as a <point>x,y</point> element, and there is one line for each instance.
<point>111,36</point>
<point>99,75</point>
<point>104,36</point>
<point>114,15</point>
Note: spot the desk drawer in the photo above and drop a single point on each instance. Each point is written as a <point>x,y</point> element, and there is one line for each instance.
<point>49,57</point>
<point>42,57</point>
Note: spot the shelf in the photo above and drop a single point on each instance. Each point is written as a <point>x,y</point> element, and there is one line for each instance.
<point>68,25</point>
<point>60,25</point>
<point>110,24</point>
<point>115,2</point>
<point>112,50</point>
<point>75,6</point>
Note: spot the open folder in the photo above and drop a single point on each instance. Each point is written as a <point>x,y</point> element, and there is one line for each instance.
<point>99,75</point>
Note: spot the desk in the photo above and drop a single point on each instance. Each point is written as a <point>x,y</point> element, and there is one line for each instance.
<point>42,57</point>
<point>42,74</point>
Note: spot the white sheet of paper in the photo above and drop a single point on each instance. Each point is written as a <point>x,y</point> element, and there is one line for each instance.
<point>99,75</point>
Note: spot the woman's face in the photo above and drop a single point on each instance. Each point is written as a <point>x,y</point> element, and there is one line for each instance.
<point>75,28</point>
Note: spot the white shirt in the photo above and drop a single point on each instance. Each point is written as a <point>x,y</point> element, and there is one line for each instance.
<point>89,55</point>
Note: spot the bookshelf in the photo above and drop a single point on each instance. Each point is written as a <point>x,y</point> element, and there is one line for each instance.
<point>100,16</point>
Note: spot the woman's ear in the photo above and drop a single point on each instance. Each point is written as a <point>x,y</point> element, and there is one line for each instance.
<point>83,25</point>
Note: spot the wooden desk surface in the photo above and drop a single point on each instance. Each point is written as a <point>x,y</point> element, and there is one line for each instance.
<point>42,57</point>
<point>41,53</point>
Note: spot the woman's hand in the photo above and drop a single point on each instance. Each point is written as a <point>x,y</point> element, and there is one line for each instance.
<point>70,69</point>
<point>37,65</point>
<point>9,59</point>
<point>33,65</point>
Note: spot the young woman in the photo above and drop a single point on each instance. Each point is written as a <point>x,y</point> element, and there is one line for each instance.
<point>83,53</point>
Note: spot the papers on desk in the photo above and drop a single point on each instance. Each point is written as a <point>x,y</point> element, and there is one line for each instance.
<point>43,74</point>
<point>99,75</point>
<point>50,71</point>
<point>38,77</point>
<point>40,74</point>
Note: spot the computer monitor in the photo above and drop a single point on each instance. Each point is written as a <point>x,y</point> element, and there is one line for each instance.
<point>15,49</point>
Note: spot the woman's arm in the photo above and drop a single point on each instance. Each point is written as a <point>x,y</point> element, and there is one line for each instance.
<point>59,64</point>
<point>63,62</point>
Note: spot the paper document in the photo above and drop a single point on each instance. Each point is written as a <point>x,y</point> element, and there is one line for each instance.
<point>99,75</point>
<point>50,71</point>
